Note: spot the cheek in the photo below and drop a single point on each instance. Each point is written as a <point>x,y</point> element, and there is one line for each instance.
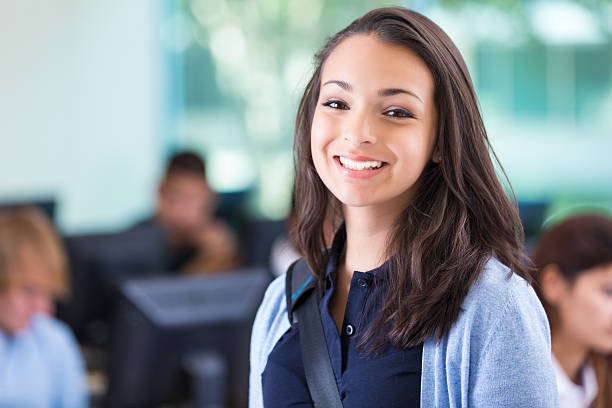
<point>589,315</point>
<point>325,128</point>
<point>12,302</point>
<point>412,154</point>
<point>320,138</point>
<point>15,310</point>
<point>596,307</point>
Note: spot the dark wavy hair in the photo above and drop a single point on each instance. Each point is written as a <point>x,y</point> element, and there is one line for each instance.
<point>576,245</point>
<point>460,215</point>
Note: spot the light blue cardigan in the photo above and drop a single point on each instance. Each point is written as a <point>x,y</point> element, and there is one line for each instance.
<point>496,355</point>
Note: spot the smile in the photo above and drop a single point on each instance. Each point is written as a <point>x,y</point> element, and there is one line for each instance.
<point>360,165</point>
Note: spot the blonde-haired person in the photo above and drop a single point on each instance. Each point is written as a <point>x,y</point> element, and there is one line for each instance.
<point>574,281</point>
<point>40,364</point>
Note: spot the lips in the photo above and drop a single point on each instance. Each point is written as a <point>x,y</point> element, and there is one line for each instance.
<point>359,167</point>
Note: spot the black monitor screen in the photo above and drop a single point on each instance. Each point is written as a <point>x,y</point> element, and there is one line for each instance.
<point>98,265</point>
<point>165,326</point>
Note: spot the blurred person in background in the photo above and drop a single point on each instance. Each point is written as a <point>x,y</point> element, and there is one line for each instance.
<point>284,252</point>
<point>40,363</point>
<point>196,240</point>
<point>574,281</point>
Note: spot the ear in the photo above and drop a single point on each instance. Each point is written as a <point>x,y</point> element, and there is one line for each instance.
<point>553,285</point>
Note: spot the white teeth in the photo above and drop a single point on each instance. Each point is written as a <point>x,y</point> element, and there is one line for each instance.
<point>359,165</point>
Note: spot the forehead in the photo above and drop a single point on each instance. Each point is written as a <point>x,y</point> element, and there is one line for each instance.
<point>601,274</point>
<point>602,271</point>
<point>185,181</point>
<point>31,270</point>
<point>367,62</point>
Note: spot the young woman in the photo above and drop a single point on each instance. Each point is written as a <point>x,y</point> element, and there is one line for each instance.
<point>423,296</point>
<point>574,282</point>
<point>40,362</point>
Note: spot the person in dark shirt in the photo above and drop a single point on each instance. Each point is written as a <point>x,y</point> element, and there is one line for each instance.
<point>196,240</point>
<point>424,295</point>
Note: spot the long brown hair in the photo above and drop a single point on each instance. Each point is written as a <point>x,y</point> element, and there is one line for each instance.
<point>577,244</point>
<point>460,215</point>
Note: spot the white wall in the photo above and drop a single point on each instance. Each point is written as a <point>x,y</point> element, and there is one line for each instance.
<point>79,107</point>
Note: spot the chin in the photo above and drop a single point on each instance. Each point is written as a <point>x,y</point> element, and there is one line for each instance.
<point>352,201</point>
<point>354,197</point>
<point>19,329</point>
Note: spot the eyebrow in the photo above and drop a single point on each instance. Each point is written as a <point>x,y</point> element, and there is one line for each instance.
<point>382,93</point>
<point>342,84</point>
<point>397,91</point>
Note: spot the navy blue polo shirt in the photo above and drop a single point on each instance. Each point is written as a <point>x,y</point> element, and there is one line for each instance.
<point>390,378</point>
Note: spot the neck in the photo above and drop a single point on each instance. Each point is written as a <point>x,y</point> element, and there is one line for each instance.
<point>570,354</point>
<point>367,230</point>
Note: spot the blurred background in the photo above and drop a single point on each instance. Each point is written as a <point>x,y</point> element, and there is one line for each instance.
<point>96,96</point>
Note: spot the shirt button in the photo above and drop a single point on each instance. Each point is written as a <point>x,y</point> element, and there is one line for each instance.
<point>349,330</point>
<point>362,283</point>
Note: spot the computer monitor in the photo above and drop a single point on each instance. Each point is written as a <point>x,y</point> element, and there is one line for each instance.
<point>99,263</point>
<point>184,340</point>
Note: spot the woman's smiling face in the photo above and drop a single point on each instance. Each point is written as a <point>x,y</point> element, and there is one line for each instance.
<point>373,129</point>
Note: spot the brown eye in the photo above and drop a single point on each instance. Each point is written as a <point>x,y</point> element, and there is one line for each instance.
<point>336,105</point>
<point>398,113</point>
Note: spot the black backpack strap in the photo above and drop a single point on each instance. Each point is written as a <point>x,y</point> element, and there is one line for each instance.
<point>303,310</point>
<point>299,282</point>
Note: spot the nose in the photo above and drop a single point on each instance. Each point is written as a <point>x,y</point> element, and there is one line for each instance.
<point>358,128</point>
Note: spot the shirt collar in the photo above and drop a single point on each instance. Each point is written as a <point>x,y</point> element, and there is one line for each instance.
<point>335,254</point>
<point>568,390</point>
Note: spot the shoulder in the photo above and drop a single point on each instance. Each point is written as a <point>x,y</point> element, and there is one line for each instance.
<point>499,291</point>
<point>270,323</point>
<point>497,348</point>
<point>57,343</point>
<point>494,279</point>
<point>272,312</point>
<point>499,304</point>
<point>53,334</point>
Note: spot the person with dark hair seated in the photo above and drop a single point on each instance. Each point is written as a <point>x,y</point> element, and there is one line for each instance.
<point>196,240</point>
<point>573,277</point>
